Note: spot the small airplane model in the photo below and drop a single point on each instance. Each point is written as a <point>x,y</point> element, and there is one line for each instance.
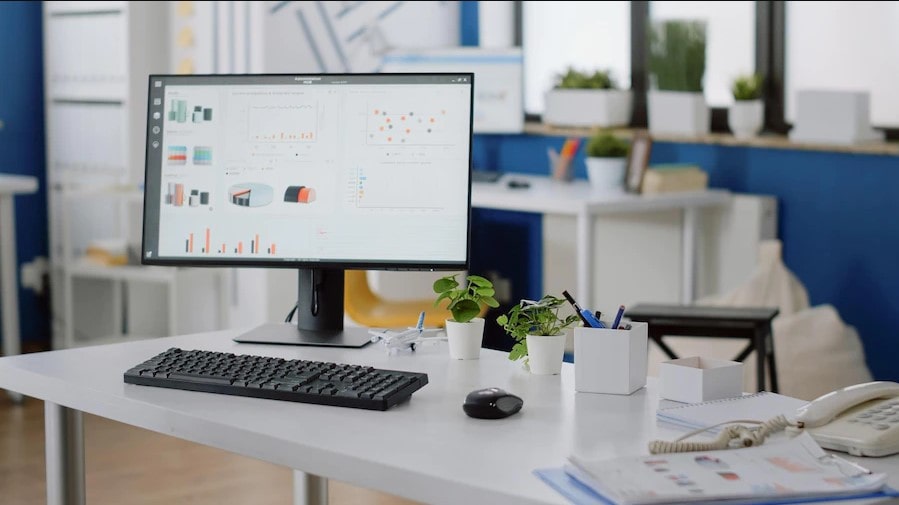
<point>407,339</point>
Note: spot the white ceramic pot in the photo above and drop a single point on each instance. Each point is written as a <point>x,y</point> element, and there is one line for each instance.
<point>465,338</point>
<point>588,107</point>
<point>606,174</point>
<point>545,354</point>
<point>678,113</point>
<point>745,118</point>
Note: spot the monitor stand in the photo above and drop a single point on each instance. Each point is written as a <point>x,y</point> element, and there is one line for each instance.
<point>319,316</point>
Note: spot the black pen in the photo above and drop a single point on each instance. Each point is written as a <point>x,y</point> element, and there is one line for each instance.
<point>576,309</point>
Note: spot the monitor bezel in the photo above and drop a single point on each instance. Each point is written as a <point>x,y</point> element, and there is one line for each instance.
<point>295,263</point>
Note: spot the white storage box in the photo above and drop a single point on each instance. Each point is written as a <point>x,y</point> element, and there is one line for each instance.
<point>696,379</point>
<point>610,361</point>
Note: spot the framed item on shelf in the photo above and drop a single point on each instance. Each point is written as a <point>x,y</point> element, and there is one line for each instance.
<point>638,160</point>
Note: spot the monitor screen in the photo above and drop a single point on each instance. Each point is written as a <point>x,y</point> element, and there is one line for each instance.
<point>321,172</point>
<point>309,171</point>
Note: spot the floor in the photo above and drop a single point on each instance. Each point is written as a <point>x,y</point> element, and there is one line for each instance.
<point>124,464</point>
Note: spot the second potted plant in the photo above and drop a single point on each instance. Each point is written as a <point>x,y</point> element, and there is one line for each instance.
<point>676,104</point>
<point>583,99</point>
<point>746,115</point>
<point>539,331</point>
<point>606,161</point>
<point>465,330</point>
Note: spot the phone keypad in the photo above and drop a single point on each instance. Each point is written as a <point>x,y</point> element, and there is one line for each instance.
<point>880,417</point>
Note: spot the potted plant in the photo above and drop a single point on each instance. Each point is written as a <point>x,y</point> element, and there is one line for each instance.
<point>582,99</point>
<point>538,329</point>
<point>465,330</point>
<point>676,104</point>
<point>746,115</point>
<point>606,161</point>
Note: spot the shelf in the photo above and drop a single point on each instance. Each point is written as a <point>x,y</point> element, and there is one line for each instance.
<point>764,141</point>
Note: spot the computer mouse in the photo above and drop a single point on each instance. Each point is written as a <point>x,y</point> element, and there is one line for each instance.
<point>491,403</point>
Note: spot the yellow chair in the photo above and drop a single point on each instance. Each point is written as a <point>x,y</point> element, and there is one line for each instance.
<point>365,307</point>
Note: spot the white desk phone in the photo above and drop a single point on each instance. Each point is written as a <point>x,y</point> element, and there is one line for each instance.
<point>862,420</point>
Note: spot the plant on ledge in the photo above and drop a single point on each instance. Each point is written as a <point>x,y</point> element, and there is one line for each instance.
<point>747,87</point>
<point>575,79</point>
<point>677,55</point>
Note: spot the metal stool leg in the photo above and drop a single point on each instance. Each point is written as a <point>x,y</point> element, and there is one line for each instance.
<point>772,367</point>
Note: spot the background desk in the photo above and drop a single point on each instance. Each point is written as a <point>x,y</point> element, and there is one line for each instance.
<point>577,198</point>
<point>425,449</point>
<point>10,185</point>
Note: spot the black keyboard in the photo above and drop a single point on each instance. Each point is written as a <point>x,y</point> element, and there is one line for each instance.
<point>295,380</point>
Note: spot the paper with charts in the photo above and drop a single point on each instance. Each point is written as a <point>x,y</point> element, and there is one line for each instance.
<point>774,471</point>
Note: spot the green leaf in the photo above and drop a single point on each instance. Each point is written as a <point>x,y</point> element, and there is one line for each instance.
<point>465,310</point>
<point>445,284</point>
<point>479,281</point>
<point>490,301</point>
<point>519,350</point>
<point>502,320</point>
<point>485,291</point>
<point>441,297</point>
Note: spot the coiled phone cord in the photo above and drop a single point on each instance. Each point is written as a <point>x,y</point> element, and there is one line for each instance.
<point>732,436</point>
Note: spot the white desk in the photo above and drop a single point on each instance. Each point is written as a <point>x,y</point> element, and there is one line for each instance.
<point>425,449</point>
<point>576,198</point>
<point>10,185</point>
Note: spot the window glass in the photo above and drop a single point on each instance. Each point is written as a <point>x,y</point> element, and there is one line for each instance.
<point>849,46</point>
<point>730,41</point>
<point>584,35</point>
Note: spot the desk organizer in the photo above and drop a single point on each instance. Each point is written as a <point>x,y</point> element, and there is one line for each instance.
<point>610,361</point>
<point>696,379</point>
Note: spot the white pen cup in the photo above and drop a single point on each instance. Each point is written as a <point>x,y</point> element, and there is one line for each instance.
<point>610,361</point>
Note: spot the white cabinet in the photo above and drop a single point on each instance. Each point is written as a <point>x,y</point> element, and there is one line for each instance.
<point>97,59</point>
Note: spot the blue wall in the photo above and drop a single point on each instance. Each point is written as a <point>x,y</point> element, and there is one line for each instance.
<point>22,145</point>
<point>838,220</point>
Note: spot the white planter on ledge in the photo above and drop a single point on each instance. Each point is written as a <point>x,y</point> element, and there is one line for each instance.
<point>678,113</point>
<point>745,118</point>
<point>588,107</point>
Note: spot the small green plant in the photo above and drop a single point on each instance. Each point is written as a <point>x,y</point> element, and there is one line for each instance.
<point>576,79</point>
<point>465,302</point>
<point>606,145</point>
<point>534,318</point>
<point>747,87</point>
<point>677,55</point>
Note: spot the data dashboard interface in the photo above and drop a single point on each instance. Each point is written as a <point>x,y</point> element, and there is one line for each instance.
<point>344,170</point>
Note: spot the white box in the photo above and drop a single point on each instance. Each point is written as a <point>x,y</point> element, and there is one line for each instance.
<point>610,361</point>
<point>696,379</point>
<point>833,117</point>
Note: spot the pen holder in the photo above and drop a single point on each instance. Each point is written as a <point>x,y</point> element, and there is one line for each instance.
<point>610,361</point>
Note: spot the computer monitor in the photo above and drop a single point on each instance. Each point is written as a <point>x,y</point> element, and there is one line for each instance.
<point>321,173</point>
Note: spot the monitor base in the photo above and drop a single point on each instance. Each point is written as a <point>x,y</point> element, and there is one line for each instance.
<point>289,334</point>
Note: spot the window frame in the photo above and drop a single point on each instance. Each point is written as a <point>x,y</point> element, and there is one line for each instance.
<point>770,62</point>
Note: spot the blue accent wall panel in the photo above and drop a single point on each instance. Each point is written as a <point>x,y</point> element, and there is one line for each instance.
<point>22,145</point>
<point>468,34</point>
<point>838,220</point>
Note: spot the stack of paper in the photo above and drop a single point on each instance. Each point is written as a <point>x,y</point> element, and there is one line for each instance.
<point>785,472</point>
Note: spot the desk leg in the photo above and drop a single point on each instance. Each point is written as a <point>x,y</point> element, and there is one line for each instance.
<point>772,366</point>
<point>9,292</point>
<point>761,354</point>
<point>309,489</point>
<point>64,439</point>
<point>688,239</point>
<point>584,294</point>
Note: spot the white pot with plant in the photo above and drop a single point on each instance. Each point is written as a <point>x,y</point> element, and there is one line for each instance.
<point>746,115</point>
<point>582,99</point>
<point>465,331</point>
<point>606,161</point>
<point>676,104</point>
<point>539,332</point>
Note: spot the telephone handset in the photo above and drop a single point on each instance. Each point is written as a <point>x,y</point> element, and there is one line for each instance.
<point>862,420</point>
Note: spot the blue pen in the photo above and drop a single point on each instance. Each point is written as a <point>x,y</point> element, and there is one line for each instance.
<point>591,319</point>
<point>618,317</point>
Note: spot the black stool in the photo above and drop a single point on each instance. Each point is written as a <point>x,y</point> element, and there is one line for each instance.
<point>714,322</point>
